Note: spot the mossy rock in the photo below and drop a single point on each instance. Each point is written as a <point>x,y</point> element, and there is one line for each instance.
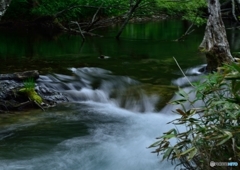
<point>32,94</point>
<point>136,92</point>
<point>164,92</point>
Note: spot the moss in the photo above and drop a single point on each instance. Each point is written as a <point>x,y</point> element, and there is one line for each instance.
<point>32,94</point>
<point>202,49</point>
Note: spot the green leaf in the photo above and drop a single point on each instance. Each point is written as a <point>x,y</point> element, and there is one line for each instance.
<point>182,93</point>
<point>155,144</point>
<point>191,112</point>
<point>180,101</point>
<point>232,76</point>
<point>236,87</point>
<point>217,137</point>
<point>227,136</point>
<point>167,153</point>
<point>169,136</point>
<point>238,147</point>
<point>179,123</point>
<point>236,67</point>
<point>187,151</point>
<point>192,153</point>
<point>223,141</point>
<point>170,131</point>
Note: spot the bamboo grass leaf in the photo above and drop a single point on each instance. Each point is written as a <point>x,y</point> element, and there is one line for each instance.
<point>175,102</point>
<point>187,151</point>
<point>228,135</point>
<point>192,154</point>
<point>170,131</point>
<point>155,144</point>
<point>182,93</point>
<point>167,153</point>
<point>169,136</point>
<point>236,67</point>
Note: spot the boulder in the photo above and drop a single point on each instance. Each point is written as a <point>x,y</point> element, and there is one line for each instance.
<point>12,96</point>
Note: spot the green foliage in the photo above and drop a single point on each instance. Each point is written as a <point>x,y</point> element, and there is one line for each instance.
<point>51,8</point>
<point>84,9</point>
<point>29,90</point>
<point>29,84</point>
<point>147,8</point>
<point>189,10</point>
<point>77,9</point>
<point>212,131</point>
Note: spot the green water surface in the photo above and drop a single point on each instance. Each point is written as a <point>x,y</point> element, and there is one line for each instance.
<point>145,51</point>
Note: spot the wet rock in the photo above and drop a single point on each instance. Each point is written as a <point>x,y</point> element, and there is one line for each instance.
<point>7,88</point>
<point>12,99</point>
<point>144,98</point>
<point>51,95</point>
<point>25,75</point>
<point>20,75</point>
<point>203,70</point>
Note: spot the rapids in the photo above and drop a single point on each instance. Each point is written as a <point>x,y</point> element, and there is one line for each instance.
<point>107,125</point>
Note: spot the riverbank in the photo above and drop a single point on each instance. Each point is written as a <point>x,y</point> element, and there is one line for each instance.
<point>52,26</point>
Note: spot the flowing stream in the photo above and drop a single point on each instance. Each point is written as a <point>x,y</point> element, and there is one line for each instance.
<point>106,125</point>
<point>111,117</point>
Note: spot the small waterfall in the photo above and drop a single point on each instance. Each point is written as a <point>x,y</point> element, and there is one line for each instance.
<point>193,75</point>
<point>97,129</point>
<point>99,85</point>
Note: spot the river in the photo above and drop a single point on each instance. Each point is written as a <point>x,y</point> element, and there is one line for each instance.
<point>110,119</point>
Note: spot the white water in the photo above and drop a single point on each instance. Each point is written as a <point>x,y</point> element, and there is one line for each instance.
<point>117,135</point>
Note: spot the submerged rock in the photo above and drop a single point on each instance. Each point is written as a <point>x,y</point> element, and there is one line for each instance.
<point>144,98</point>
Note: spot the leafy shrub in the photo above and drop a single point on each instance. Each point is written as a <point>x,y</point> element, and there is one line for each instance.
<point>78,9</point>
<point>189,10</point>
<point>212,131</point>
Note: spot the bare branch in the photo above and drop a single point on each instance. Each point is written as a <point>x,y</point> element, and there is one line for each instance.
<point>189,31</point>
<point>93,19</point>
<point>183,72</point>
<point>79,28</point>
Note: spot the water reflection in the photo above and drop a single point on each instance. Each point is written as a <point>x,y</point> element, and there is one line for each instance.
<point>151,42</point>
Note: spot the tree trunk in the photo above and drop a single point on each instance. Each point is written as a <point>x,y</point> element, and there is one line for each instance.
<point>215,44</point>
<point>4,4</point>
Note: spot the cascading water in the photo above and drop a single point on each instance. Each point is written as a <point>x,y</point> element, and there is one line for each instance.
<point>99,129</point>
<point>98,85</point>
